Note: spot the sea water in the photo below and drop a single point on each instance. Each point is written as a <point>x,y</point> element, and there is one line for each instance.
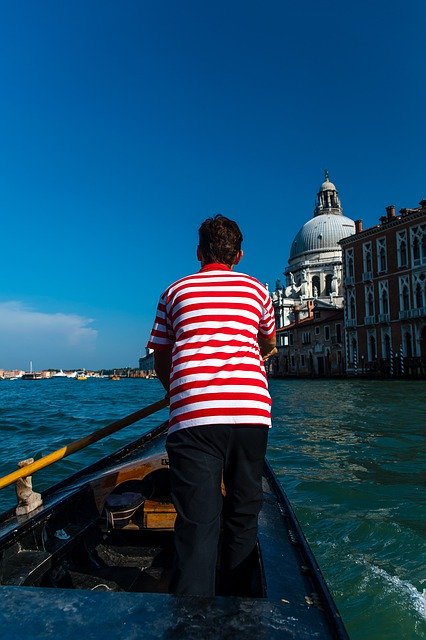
<point>350,455</point>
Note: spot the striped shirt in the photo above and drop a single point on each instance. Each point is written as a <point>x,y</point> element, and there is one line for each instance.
<point>211,320</point>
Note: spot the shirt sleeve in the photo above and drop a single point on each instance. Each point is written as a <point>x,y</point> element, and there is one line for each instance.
<point>162,335</point>
<point>267,321</point>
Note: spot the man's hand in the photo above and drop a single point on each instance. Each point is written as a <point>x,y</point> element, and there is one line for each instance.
<point>271,353</point>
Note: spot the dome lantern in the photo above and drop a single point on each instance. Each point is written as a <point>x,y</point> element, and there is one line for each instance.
<point>327,198</point>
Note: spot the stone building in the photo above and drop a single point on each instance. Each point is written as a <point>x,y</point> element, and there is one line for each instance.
<point>385,282</point>
<point>311,301</point>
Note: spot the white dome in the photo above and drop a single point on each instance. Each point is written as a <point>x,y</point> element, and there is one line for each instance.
<point>327,186</point>
<point>322,233</point>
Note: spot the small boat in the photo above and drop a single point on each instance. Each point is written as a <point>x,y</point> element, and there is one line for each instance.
<point>95,560</point>
<point>32,375</point>
<point>59,374</point>
<point>114,377</point>
<point>81,376</point>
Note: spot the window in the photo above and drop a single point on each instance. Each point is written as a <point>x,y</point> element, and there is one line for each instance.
<point>381,255</point>
<point>302,360</point>
<point>408,345</point>
<point>328,280</point>
<point>339,333</point>
<point>372,348</point>
<point>383,296</point>
<point>292,361</point>
<point>386,346</point>
<point>401,240</point>
<point>306,337</point>
<point>349,253</point>
<point>317,331</point>
<point>418,244</point>
<point>351,305</point>
<point>326,333</point>
<point>419,287</point>
<point>316,290</point>
<point>369,300</point>
<point>367,257</point>
<point>404,294</point>
<point>291,339</point>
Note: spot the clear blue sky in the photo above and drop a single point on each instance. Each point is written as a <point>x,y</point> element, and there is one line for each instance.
<point>125,124</point>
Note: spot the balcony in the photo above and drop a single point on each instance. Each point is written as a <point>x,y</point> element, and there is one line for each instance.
<point>349,281</point>
<point>384,317</point>
<point>370,320</point>
<point>367,276</point>
<point>351,322</point>
<point>406,314</point>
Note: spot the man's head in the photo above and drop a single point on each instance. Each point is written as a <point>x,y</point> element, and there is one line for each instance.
<point>220,241</point>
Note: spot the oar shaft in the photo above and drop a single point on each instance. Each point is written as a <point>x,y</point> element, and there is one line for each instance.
<point>77,445</point>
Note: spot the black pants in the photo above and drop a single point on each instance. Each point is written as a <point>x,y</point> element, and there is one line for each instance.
<point>198,457</point>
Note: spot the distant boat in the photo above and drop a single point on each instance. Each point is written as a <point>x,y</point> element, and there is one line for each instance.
<point>32,375</point>
<point>114,377</point>
<point>81,376</point>
<point>59,374</point>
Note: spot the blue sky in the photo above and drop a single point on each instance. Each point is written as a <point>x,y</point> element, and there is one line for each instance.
<point>125,124</point>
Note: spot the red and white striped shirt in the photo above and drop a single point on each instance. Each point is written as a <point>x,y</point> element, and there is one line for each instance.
<point>211,320</point>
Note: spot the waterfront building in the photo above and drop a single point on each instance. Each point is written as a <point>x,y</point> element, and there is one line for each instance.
<point>309,307</point>
<point>385,282</point>
<point>146,363</point>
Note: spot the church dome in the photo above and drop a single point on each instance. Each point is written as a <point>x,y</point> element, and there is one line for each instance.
<point>322,233</point>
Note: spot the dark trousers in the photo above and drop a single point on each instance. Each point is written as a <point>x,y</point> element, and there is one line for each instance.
<point>199,457</point>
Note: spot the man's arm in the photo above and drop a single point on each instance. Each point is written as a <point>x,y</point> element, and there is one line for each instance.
<point>163,366</point>
<point>267,346</point>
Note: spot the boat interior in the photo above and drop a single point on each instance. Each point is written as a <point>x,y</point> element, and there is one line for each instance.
<point>100,539</point>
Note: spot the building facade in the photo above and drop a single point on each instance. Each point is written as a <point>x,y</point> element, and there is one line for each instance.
<point>385,294</point>
<point>309,306</point>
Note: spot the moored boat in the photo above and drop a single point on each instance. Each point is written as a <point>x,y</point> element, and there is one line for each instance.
<point>98,552</point>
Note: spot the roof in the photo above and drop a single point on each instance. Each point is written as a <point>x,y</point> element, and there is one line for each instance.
<point>322,233</point>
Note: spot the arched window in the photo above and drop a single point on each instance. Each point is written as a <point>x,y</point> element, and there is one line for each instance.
<point>350,266</point>
<point>385,301</point>
<point>419,295</point>
<point>408,345</point>
<point>352,309</point>
<point>316,287</point>
<point>370,304</point>
<point>328,279</point>
<point>416,248</point>
<point>382,259</point>
<point>403,253</point>
<point>387,353</point>
<point>405,298</point>
<point>372,348</point>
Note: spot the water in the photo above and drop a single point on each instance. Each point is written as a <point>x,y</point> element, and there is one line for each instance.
<point>350,455</point>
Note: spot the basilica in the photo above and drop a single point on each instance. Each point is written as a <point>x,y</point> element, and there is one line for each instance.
<point>309,306</point>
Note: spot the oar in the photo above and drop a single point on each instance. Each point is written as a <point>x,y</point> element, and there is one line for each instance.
<point>77,445</point>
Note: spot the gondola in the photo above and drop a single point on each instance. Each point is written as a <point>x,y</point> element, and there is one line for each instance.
<point>94,561</point>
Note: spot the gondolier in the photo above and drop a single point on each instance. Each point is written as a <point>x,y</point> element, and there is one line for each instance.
<point>212,332</point>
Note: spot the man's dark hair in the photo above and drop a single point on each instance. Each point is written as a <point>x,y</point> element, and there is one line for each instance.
<point>220,240</point>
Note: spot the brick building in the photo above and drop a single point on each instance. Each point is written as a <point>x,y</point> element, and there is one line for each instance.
<point>384,271</point>
<point>311,345</point>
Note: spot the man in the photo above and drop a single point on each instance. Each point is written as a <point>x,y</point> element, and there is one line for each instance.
<point>212,331</point>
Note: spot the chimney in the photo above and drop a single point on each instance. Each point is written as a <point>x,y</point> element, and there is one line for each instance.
<point>358,226</point>
<point>422,204</point>
<point>390,210</point>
